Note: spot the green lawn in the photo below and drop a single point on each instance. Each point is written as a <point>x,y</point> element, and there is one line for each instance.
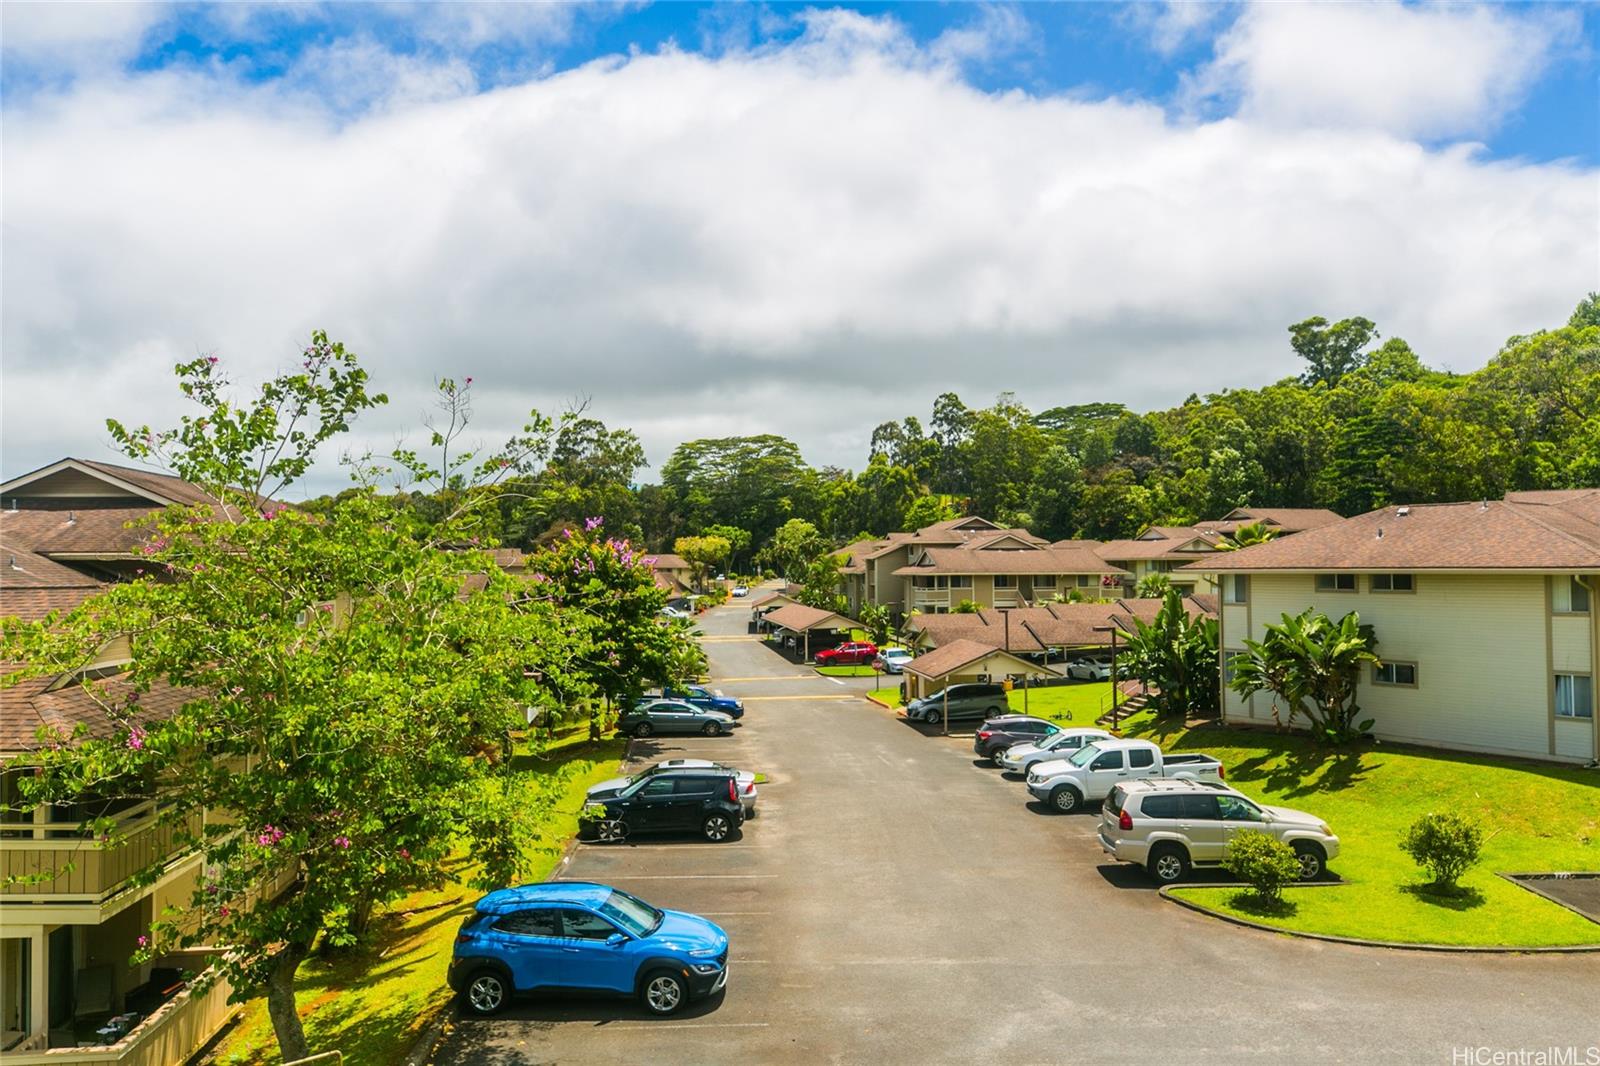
<point>1083,702</point>
<point>889,694</point>
<point>861,670</point>
<point>1536,817</point>
<point>372,1004</point>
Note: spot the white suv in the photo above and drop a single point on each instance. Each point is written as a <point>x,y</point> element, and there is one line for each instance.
<point>1169,826</point>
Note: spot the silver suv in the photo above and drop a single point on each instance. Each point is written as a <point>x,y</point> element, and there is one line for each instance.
<point>1170,826</point>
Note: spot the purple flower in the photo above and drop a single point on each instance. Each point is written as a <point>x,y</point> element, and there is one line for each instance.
<point>342,841</point>
<point>469,381</point>
<point>135,736</point>
<point>211,359</point>
<point>592,524</point>
<point>143,940</point>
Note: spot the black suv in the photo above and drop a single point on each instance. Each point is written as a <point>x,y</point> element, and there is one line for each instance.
<point>673,801</point>
<point>997,734</point>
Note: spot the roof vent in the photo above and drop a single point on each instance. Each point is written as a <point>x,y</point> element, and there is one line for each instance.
<point>1380,532</point>
<point>1484,506</point>
<point>72,517</point>
<point>13,562</point>
<point>1401,512</point>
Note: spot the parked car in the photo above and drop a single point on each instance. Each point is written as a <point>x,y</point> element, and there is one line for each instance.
<point>851,654</point>
<point>1091,772</point>
<point>973,700</point>
<point>673,801</point>
<point>1089,670</point>
<point>1170,826</point>
<point>675,612</point>
<point>673,716</point>
<point>1018,758</point>
<point>893,660</point>
<point>995,735</point>
<point>575,935</point>
<point>740,591</point>
<point>704,698</point>
<point>745,779</point>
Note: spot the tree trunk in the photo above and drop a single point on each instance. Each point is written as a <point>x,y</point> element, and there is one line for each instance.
<point>280,1003</point>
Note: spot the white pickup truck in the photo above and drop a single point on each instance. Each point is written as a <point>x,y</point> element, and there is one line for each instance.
<point>1091,772</point>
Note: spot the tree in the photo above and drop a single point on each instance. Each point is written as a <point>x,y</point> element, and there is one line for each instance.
<point>1153,586</point>
<point>343,692</point>
<point>701,553</point>
<point>927,510</point>
<point>738,541</point>
<point>1244,536</point>
<point>1331,351</point>
<point>878,621</point>
<point>793,547</point>
<point>1311,664</point>
<point>821,584</point>
<point>754,483</point>
<point>1176,656</point>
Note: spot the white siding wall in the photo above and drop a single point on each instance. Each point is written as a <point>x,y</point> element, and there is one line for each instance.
<point>1479,642</point>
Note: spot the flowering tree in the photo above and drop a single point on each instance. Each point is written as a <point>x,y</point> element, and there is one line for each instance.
<point>346,680</point>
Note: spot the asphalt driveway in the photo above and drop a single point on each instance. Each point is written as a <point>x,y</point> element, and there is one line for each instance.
<point>894,902</point>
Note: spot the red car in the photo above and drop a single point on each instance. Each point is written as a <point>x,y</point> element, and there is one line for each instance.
<point>848,654</point>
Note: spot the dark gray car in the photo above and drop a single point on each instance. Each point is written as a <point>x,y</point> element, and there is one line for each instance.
<point>977,700</point>
<point>673,716</point>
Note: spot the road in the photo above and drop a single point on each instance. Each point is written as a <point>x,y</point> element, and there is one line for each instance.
<point>895,903</point>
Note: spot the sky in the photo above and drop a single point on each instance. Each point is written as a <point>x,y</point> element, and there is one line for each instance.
<point>720,219</point>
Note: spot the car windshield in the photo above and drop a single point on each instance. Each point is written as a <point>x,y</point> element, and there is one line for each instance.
<point>1054,740</point>
<point>1084,755</point>
<point>633,914</point>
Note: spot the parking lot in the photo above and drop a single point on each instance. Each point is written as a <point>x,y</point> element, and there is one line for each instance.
<point>896,901</point>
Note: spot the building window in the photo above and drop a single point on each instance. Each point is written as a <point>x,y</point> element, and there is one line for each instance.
<point>1393,583</point>
<point>1044,581</point>
<point>1160,566</point>
<point>1571,596</point>
<point>1336,582</point>
<point>1005,581</point>
<point>1236,588</point>
<point>1395,674</point>
<point>1574,696</point>
<point>1085,580</point>
<point>961,581</point>
<point>1228,658</point>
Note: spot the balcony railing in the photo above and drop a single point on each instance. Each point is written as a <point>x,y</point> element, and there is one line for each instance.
<point>81,868</point>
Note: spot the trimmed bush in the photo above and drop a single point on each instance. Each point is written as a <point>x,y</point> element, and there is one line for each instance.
<point>1263,862</point>
<point>1446,845</point>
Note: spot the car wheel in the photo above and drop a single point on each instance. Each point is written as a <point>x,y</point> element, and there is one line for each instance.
<point>992,712</point>
<point>612,831</point>
<point>1313,860</point>
<point>663,992</point>
<point>1065,799</point>
<point>643,729</point>
<point>717,827</point>
<point>998,754</point>
<point>711,729</point>
<point>931,717</point>
<point>485,993</point>
<point>1169,864</point>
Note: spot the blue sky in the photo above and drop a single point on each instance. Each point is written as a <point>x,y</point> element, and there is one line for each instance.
<point>716,219</point>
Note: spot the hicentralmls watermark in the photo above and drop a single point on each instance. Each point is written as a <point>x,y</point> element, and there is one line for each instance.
<point>1526,1056</point>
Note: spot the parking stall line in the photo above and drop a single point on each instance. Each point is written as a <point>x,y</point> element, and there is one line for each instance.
<point>687,1025</point>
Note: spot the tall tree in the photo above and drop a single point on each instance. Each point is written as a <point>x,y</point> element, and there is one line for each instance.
<point>1176,657</point>
<point>1333,351</point>
<point>1311,664</point>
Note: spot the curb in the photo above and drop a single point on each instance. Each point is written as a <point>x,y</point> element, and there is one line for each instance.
<point>427,1041</point>
<point>1393,945</point>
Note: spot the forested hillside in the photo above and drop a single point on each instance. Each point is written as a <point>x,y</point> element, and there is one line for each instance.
<point>1367,423</point>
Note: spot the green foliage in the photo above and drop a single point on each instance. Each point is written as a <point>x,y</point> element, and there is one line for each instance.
<point>1153,586</point>
<point>752,483</point>
<point>1263,862</point>
<point>1176,656</point>
<point>878,621</point>
<point>1333,351</point>
<point>1446,845</point>
<point>702,553</point>
<point>927,510</point>
<point>1245,536</point>
<point>795,545</point>
<point>821,584</point>
<point>966,607</point>
<point>1311,664</point>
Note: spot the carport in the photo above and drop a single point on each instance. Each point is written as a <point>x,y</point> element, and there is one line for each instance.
<point>801,621</point>
<point>963,661</point>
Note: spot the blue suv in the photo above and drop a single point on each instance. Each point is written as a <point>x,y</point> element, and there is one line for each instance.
<point>704,698</point>
<point>586,937</point>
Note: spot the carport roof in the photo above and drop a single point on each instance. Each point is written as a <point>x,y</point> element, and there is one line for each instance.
<point>960,654</point>
<point>799,618</point>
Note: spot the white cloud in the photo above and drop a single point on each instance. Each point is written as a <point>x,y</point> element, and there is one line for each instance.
<point>802,240</point>
<point>73,35</point>
<point>1429,71</point>
<point>1174,23</point>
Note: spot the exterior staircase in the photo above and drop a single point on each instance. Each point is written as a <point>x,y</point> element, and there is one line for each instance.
<point>1131,704</point>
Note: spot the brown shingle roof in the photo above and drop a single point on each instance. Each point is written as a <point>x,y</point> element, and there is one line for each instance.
<point>799,618</point>
<point>26,707</point>
<point>90,531</point>
<point>1284,519</point>
<point>1056,625</point>
<point>1023,561</point>
<point>1487,535</point>
<point>960,654</point>
<point>667,561</point>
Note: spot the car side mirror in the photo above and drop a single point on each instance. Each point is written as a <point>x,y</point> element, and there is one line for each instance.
<point>616,940</point>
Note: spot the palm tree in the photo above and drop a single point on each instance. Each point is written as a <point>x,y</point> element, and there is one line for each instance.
<point>1311,663</point>
<point>1245,536</point>
<point>1175,655</point>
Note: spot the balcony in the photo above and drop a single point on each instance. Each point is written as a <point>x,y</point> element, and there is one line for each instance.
<point>169,1036</point>
<point>53,862</point>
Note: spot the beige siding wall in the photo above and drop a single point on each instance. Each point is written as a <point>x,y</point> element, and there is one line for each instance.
<point>1480,646</point>
<point>1571,650</point>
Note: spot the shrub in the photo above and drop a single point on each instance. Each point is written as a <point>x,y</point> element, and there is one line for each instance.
<point>1263,862</point>
<point>1445,845</point>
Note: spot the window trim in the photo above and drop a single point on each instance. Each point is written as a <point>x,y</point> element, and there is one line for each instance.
<point>1231,583</point>
<point>1572,579</point>
<point>1372,583</point>
<point>1555,709</point>
<point>1416,674</point>
<point>1336,576</point>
